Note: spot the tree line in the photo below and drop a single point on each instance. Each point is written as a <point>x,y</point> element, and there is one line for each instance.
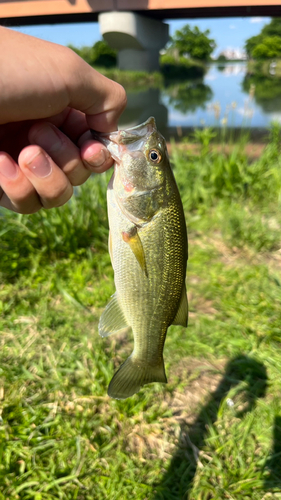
<point>193,44</point>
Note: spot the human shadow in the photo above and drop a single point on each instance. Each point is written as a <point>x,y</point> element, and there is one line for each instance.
<point>273,464</point>
<point>178,480</point>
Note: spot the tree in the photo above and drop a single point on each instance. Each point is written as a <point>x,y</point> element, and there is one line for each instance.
<point>267,44</point>
<point>98,55</point>
<point>104,55</point>
<point>269,47</point>
<point>251,43</point>
<point>222,58</point>
<point>193,43</point>
<point>273,28</point>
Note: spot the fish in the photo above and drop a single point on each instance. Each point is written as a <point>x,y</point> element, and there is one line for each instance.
<point>148,249</point>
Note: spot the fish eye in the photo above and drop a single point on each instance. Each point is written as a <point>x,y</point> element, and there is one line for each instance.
<point>154,156</point>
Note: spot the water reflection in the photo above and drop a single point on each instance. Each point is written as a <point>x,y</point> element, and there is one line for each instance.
<point>267,91</point>
<point>190,103</point>
<point>234,69</point>
<point>188,96</point>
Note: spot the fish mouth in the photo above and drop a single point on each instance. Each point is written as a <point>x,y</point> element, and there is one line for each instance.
<point>119,142</point>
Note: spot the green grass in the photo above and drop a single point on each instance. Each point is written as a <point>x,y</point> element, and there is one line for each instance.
<point>214,431</point>
<point>133,80</point>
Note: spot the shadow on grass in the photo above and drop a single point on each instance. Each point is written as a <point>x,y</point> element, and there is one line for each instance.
<point>178,480</point>
<point>273,465</point>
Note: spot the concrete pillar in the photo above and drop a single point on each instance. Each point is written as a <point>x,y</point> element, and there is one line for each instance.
<point>141,60</point>
<point>138,39</point>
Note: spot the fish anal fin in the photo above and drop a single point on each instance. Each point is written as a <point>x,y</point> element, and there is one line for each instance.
<point>181,318</point>
<point>132,375</point>
<point>112,319</point>
<point>132,238</point>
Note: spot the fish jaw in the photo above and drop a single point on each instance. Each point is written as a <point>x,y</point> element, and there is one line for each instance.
<point>130,140</point>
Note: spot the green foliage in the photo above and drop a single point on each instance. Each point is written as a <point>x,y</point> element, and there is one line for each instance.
<point>193,43</point>
<point>133,80</point>
<point>178,67</point>
<point>269,48</point>
<point>273,28</point>
<point>101,54</point>
<point>267,44</point>
<point>251,43</point>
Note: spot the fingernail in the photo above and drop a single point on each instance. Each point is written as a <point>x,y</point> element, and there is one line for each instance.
<point>39,165</point>
<point>98,159</point>
<point>8,168</point>
<point>46,137</point>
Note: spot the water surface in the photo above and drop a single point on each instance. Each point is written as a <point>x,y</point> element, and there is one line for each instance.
<point>226,96</point>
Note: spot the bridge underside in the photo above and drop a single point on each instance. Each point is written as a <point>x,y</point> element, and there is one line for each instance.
<point>32,12</point>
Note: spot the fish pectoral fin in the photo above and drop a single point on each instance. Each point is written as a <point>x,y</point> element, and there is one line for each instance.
<point>112,319</point>
<point>132,238</point>
<point>181,318</point>
<point>132,375</point>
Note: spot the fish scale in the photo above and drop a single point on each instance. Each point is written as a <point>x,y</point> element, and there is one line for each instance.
<point>148,247</point>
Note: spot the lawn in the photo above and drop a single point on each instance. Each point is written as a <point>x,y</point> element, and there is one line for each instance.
<point>214,431</point>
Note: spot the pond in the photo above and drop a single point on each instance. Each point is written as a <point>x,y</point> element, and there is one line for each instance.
<point>227,95</point>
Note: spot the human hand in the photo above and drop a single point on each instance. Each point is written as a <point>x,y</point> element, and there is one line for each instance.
<point>49,100</point>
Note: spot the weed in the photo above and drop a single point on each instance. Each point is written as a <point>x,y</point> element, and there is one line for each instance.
<point>243,226</point>
<point>70,231</point>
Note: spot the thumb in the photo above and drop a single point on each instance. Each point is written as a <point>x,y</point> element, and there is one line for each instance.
<point>101,99</point>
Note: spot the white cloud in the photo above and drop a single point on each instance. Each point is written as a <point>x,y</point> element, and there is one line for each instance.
<point>232,26</point>
<point>256,20</point>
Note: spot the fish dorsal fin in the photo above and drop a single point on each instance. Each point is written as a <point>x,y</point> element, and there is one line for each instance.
<point>132,238</point>
<point>181,318</point>
<point>112,319</point>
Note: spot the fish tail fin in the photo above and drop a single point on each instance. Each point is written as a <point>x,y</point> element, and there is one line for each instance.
<point>132,375</point>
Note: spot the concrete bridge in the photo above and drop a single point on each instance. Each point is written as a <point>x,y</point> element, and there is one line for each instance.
<point>134,27</point>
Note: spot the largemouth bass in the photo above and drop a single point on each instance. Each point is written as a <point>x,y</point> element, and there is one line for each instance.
<point>148,250</point>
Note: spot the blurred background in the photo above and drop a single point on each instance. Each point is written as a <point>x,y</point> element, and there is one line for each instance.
<point>213,72</point>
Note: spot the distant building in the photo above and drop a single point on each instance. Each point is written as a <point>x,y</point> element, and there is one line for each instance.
<point>234,53</point>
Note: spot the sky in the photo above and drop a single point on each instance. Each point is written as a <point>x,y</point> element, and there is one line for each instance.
<point>227,32</point>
